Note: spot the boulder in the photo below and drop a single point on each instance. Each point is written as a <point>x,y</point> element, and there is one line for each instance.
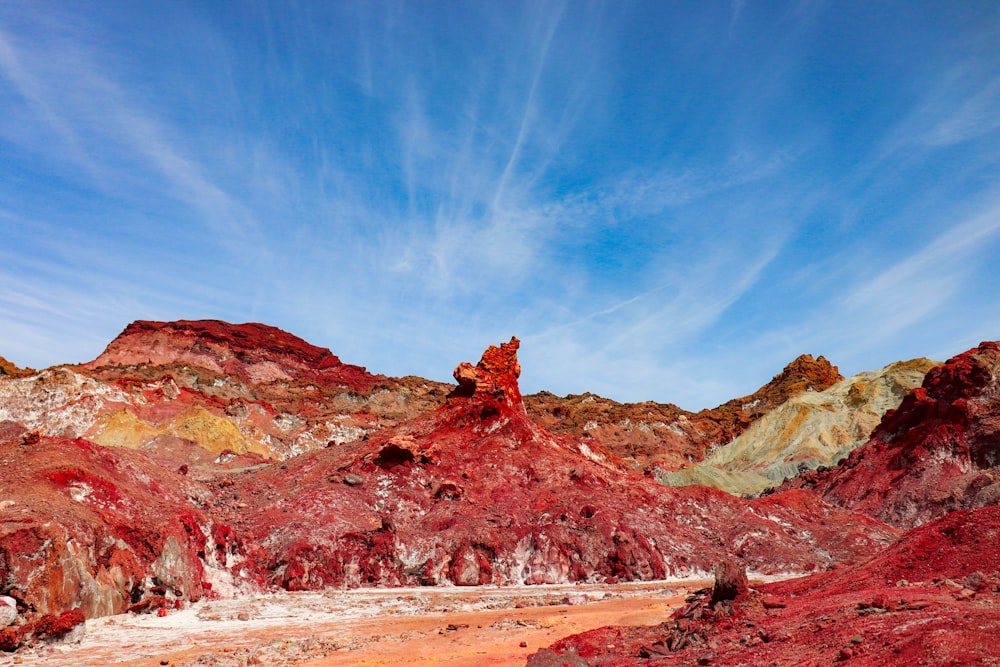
<point>730,581</point>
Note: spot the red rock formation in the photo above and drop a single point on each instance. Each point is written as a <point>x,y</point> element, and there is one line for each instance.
<point>730,582</point>
<point>7,369</point>
<point>48,626</point>
<point>253,352</point>
<point>493,378</point>
<point>933,598</point>
<point>83,526</point>
<point>938,452</point>
<point>475,493</point>
<point>472,491</point>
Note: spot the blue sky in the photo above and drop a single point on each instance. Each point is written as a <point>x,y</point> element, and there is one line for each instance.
<point>663,200</point>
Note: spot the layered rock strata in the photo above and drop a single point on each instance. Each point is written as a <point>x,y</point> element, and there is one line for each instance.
<point>662,438</point>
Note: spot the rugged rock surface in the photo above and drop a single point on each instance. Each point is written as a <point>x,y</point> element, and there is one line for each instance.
<point>938,452</point>
<point>933,598</point>
<point>473,491</point>
<point>9,370</point>
<point>103,530</point>
<point>663,437</point>
<point>196,390</point>
<point>809,430</point>
<point>640,434</point>
<point>476,493</point>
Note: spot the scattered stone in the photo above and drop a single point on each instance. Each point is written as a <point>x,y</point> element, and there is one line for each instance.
<point>243,616</point>
<point>965,594</point>
<point>576,599</point>
<point>975,580</point>
<point>772,602</point>
<point>523,644</point>
<point>353,479</point>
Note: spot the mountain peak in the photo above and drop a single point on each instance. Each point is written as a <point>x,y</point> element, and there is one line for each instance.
<point>257,352</point>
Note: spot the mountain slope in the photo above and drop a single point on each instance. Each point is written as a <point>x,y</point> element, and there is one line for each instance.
<point>195,390</point>
<point>663,437</point>
<point>475,492</point>
<point>932,598</point>
<point>808,431</point>
<point>938,452</point>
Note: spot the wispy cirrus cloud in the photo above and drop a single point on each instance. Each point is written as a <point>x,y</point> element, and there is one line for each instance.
<point>662,201</point>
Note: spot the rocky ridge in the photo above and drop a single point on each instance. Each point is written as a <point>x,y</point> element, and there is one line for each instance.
<point>206,389</point>
<point>470,492</point>
<point>661,438</point>
<point>810,430</point>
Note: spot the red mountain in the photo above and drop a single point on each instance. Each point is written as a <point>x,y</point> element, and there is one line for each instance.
<point>475,493</point>
<point>255,353</point>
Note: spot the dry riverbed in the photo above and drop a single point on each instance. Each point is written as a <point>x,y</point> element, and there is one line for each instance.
<point>409,626</point>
